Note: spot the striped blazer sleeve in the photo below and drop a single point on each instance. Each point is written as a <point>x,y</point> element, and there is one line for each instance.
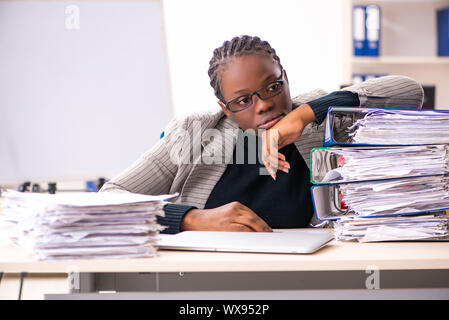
<point>153,172</point>
<point>389,92</point>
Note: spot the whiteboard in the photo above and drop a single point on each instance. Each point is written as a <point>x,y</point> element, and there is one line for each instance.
<point>84,87</point>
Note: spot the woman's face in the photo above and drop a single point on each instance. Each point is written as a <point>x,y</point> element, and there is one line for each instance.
<point>246,74</point>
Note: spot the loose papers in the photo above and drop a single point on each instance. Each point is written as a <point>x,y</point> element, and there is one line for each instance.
<point>83,225</point>
<point>400,228</point>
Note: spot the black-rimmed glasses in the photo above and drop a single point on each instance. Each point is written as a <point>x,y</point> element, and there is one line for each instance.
<point>266,92</point>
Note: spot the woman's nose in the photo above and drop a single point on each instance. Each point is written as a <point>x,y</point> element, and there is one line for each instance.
<point>262,106</point>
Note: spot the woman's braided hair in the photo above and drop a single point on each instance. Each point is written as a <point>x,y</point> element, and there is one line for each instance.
<point>238,46</point>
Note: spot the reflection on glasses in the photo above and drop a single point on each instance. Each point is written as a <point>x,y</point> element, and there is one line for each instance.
<point>268,91</point>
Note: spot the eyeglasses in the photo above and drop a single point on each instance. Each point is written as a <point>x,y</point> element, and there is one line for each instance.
<point>266,92</point>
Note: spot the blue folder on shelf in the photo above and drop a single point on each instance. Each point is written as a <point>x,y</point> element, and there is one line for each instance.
<point>372,30</point>
<point>425,127</point>
<point>359,30</point>
<point>443,31</point>
<point>366,30</point>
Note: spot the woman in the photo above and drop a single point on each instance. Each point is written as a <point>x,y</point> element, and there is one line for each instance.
<point>208,158</point>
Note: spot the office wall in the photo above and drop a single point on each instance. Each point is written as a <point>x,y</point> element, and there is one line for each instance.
<point>78,103</point>
<point>307,36</point>
<point>83,87</point>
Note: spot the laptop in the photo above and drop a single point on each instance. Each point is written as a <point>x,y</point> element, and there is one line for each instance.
<point>278,241</point>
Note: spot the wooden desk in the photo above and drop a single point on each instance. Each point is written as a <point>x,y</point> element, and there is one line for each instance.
<point>338,266</point>
<point>335,256</point>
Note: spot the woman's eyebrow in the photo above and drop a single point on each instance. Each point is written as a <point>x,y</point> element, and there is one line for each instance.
<point>264,80</point>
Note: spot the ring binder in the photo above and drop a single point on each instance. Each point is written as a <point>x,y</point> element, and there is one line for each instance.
<point>350,164</point>
<point>327,208</point>
<point>340,119</point>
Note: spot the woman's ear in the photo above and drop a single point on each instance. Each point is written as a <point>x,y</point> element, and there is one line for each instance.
<point>223,107</point>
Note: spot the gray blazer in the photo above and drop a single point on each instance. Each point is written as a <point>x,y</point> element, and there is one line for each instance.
<point>175,165</point>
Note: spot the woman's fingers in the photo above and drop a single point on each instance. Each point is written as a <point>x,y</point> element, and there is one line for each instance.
<point>281,156</point>
<point>272,158</point>
<point>274,163</point>
<point>270,169</point>
<point>250,219</point>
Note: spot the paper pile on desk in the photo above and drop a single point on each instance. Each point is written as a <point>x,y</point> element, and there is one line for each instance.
<point>395,228</point>
<point>83,225</point>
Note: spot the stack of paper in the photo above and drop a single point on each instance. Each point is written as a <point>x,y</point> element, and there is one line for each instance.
<point>400,228</point>
<point>83,225</point>
<point>401,127</point>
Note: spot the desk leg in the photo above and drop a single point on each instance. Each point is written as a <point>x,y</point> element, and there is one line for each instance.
<point>81,282</point>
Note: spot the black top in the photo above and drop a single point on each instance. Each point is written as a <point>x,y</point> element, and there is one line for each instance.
<point>284,203</point>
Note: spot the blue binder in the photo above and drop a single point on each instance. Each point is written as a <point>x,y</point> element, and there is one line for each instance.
<point>443,31</point>
<point>359,30</point>
<point>324,162</point>
<point>372,30</point>
<point>327,203</point>
<point>339,118</point>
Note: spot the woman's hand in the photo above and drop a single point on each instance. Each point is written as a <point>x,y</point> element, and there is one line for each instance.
<point>233,216</point>
<point>286,131</point>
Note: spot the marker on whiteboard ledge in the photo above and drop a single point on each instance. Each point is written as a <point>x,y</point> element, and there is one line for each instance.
<point>101,182</point>
<point>36,188</point>
<point>52,187</point>
<point>24,186</point>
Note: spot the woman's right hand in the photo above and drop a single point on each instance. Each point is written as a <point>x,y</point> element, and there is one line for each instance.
<point>233,216</point>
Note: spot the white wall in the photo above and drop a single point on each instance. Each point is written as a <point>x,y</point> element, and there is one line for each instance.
<point>307,36</point>
<point>79,102</point>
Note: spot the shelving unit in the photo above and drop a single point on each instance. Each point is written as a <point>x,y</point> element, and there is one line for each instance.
<point>408,44</point>
<point>400,60</point>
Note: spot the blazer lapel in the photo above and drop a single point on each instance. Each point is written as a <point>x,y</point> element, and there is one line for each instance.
<point>217,146</point>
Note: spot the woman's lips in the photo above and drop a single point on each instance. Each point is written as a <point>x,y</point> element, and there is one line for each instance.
<point>269,124</point>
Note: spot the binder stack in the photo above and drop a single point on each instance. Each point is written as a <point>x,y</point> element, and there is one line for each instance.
<point>379,170</point>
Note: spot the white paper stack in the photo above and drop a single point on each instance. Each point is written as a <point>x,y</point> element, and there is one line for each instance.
<point>83,225</point>
<point>402,127</point>
<point>394,228</point>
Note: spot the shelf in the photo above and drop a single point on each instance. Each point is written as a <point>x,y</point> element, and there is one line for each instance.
<point>400,60</point>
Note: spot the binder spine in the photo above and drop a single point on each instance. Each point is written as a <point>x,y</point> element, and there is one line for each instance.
<point>358,30</point>
<point>372,30</point>
<point>443,31</point>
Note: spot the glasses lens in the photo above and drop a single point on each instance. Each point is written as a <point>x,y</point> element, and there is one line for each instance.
<point>269,91</point>
<point>240,103</point>
<point>272,89</point>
